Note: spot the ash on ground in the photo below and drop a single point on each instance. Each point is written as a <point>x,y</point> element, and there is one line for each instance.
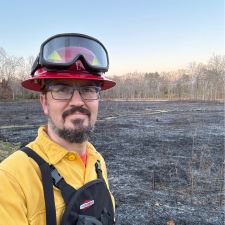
<point>165,159</point>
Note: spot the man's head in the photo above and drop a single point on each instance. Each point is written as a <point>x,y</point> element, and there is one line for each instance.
<point>72,107</point>
<point>68,73</point>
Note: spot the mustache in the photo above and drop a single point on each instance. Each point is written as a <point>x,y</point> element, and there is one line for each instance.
<point>75,109</point>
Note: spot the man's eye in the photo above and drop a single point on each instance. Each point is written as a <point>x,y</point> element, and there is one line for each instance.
<point>61,89</point>
<point>89,89</point>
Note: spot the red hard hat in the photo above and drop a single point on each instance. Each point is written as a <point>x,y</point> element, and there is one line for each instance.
<point>78,61</point>
<point>36,82</point>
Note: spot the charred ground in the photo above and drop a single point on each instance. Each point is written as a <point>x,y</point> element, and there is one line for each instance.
<point>165,159</point>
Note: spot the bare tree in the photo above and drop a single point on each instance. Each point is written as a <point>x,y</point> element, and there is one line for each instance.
<point>8,65</point>
<point>197,82</point>
<point>8,68</point>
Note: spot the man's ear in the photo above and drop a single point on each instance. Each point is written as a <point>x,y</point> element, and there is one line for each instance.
<point>43,101</point>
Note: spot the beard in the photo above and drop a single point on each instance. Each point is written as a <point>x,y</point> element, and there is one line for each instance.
<point>78,134</point>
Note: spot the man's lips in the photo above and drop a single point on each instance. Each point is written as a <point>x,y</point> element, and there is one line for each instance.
<point>77,114</point>
<point>76,111</point>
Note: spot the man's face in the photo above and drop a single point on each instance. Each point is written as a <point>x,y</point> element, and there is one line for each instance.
<point>72,119</point>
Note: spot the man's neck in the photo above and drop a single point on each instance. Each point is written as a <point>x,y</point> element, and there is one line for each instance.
<point>80,148</point>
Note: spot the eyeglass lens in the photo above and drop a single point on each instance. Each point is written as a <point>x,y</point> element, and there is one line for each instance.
<point>65,92</point>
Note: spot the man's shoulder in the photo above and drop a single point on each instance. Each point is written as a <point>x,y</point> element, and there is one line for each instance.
<point>17,163</point>
<point>92,150</point>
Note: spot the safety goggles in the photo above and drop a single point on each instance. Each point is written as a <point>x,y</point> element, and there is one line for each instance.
<point>61,51</point>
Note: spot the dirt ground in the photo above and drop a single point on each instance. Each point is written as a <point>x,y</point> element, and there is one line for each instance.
<point>165,159</point>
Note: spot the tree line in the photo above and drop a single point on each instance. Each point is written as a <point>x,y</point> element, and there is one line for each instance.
<point>198,81</point>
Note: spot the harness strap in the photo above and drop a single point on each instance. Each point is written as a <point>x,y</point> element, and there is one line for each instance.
<point>67,191</point>
<point>47,186</point>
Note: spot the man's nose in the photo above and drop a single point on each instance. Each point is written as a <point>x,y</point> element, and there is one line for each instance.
<point>76,99</point>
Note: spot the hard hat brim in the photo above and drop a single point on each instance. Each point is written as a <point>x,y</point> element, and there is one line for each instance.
<point>35,83</point>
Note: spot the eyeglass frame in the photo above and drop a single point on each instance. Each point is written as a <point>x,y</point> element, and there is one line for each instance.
<point>74,88</point>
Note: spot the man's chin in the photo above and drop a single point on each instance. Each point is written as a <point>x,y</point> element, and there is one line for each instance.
<point>75,123</point>
<point>76,134</point>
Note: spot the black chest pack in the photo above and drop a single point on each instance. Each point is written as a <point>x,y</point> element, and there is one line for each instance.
<point>89,205</point>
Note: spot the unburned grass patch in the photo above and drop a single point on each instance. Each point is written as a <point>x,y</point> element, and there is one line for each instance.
<point>6,149</point>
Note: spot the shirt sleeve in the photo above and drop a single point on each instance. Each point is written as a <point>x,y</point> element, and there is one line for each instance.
<point>12,201</point>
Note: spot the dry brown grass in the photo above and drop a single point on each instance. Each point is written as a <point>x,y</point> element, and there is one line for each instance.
<point>6,149</point>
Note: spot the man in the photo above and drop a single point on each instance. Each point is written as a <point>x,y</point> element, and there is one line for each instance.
<point>68,73</point>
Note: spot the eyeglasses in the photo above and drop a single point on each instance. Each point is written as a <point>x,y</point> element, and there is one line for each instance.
<point>65,92</point>
<point>63,50</point>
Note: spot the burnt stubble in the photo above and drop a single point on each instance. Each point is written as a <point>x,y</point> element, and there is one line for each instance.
<point>165,159</point>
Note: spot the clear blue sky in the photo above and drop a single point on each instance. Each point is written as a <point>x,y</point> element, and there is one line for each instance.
<point>143,36</point>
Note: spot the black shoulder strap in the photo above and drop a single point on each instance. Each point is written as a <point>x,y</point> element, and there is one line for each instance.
<point>66,190</point>
<point>56,178</point>
<point>47,186</point>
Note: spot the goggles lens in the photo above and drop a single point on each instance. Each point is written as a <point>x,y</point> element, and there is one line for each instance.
<point>66,49</point>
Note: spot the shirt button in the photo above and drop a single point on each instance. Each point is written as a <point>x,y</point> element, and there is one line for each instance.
<point>71,156</point>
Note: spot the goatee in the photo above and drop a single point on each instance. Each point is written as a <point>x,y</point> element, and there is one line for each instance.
<point>79,134</point>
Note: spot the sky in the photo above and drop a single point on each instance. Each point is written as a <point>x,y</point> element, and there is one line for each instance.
<point>140,36</point>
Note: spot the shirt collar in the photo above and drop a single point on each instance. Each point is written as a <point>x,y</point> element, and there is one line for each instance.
<point>55,152</point>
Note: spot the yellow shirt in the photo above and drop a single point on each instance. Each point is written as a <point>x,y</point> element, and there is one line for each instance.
<point>21,190</point>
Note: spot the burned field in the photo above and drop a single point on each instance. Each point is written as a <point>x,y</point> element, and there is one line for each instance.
<point>165,159</point>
